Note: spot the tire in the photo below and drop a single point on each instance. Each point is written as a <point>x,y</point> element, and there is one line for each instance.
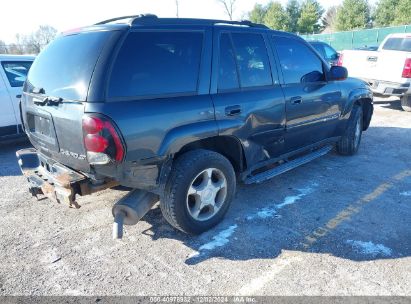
<point>350,141</point>
<point>195,198</point>
<point>406,103</point>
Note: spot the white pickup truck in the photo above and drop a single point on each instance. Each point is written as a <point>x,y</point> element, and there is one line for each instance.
<point>13,72</point>
<point>387,70</point>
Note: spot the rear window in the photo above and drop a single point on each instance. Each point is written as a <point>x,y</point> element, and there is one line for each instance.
<point>16,71</point>
<point>252,60</point>
<point>157,63</point>
<point>65,67</point>
<point>398,44</point>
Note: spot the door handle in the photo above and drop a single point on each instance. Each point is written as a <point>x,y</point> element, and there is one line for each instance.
<point>297,100</point>
<point>232,110</point>
<point>18,96</point>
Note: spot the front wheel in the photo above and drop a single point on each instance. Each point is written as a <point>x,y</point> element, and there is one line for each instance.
<point>350,141</point>
<point>406,103</point>
<point>199,191</point>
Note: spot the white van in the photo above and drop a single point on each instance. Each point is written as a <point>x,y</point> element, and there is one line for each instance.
<point>13,72</point>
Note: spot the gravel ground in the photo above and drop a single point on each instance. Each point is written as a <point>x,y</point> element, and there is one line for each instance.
<point>336,226</point>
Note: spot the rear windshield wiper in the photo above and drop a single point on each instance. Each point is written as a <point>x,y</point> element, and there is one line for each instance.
<point>49,101</point>
<point>38,91</point>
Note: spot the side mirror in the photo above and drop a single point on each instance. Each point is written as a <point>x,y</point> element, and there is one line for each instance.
<point>313,76</point>
<point>338,73</point>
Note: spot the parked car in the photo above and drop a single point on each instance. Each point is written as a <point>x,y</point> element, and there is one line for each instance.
<point>388,70</point>
<point>181,109</point>
<point>13,73</point>
<point>326,51</point>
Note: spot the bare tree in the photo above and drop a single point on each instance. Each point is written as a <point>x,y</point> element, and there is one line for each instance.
<point>177,7</point>
<point>229,6</point>
<point>32,43</point>
<point>18,47</point>
<point>37,40</point>
<point>3,47</point>
<point>328,19</point>
<point>44,35</point>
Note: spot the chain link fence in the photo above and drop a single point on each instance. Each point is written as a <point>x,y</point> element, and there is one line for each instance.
<point>355,39</point>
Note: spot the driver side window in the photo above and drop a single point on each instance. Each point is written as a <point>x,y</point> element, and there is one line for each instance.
<point>298,63</point>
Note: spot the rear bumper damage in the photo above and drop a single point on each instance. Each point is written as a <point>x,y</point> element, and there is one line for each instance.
<point>54,180</point>
<point>62,184</point>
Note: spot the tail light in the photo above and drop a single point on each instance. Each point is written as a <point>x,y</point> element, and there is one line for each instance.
<point>102,141</point>
<point>340,59</point>
<point>406,72</point>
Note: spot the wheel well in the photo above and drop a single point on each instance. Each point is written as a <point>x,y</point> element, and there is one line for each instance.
<point>228,146</point>
<point>367,110</point>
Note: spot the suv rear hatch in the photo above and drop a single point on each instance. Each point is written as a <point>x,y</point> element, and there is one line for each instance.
<point>55,94</point>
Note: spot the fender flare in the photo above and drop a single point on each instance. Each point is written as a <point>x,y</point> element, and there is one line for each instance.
<point>179,137</point>
<point>354,96</point>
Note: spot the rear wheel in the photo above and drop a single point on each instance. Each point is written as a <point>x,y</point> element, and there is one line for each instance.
<point>350,141</point>
<point>406,103</point>
<point>199,191</point>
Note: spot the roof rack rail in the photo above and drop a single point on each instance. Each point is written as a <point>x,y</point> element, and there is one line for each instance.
<point>153,20</point>
<point>150,19</point>
<point>133,17</point>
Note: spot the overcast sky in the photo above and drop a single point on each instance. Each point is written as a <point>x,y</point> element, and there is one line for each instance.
<point>24,16</point>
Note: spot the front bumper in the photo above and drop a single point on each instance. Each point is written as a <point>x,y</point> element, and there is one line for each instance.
<point>54,180</point>
<point>384,88</point>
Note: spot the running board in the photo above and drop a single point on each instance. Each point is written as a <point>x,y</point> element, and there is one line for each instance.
<point>287,166</point>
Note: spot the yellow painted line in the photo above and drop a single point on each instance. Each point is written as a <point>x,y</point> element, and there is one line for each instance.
<point>351,210</point>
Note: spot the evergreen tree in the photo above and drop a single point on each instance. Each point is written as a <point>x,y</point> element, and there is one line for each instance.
<point>276,17</point>
<point>293,10</point>
<point>385,12</point>
<point>353,14</point>
<point>311,12</point>
<point>257,14</point>
<point>403,13</point>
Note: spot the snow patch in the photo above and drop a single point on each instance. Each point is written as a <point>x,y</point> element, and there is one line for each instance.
<point>289,200</point>
<point>270,212</point>
<point>369,248</point>
<point>219,240</point>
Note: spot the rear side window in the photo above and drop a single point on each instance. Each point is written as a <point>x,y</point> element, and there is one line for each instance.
<point>320,49</point>
<point>298,62</point>
<point>398,44</point>
<point>252,60</point>
<point>228,77</point>
<point>157,63</point>
<point>330,53</point>
<point>16,71</point>
<point>65,67</point>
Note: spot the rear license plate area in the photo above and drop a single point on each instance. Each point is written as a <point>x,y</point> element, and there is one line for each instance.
<point>40,128</point>
<point>38,124</point>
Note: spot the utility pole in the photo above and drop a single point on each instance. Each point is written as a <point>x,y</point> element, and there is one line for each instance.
<point>177,14</point>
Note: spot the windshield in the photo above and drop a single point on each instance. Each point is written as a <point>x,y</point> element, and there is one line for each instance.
<point>16,71</point>
<point>398,44</point>
<point>65,67</point>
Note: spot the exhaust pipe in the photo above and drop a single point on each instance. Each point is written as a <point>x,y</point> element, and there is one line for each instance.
<point>130,209</point>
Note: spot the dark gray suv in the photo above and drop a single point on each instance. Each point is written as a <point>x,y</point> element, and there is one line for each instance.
<point>182,110</point>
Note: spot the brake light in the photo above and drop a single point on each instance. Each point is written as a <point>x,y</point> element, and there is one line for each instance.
<point>406,72</point>
<point>340,59</point>
<point>95,143</point>
<point>101,140</point>
<point>92,125</point>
